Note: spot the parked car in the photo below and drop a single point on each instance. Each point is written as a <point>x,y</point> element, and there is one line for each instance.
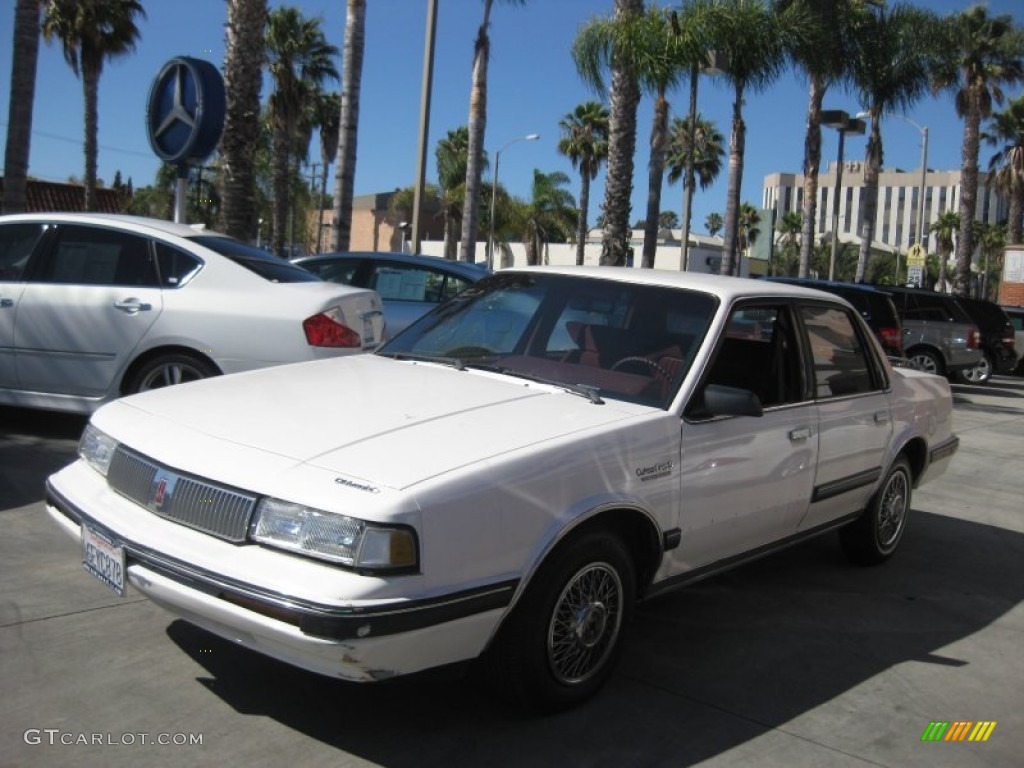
<point>93,307</point>
<point>938,336</point>
<point>508,476</point>
<point>874,305</point>
<point>998,346</point>
<point>410,286</point>
<point>1016,315</point>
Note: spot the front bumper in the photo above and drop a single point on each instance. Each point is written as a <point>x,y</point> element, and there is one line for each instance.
<point>352,642</point>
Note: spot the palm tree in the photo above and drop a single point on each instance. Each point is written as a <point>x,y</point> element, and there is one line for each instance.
<point>825,58</point>
<point>668,220</point>
<point>550,214</point>
<point>714,223</point>
<point>945,228</point>
<point>664,51</point>
<point>749,219</point>
<point>791,229</point>
<point>91,32</point>
<point>585,142</point>
<point>890,70</point>
<point>610,43</point>
<point>754,38</point>
<point>991,239</point>
<point>299,59</point>
<point>243,81</point>
<point>706,153</point>
<point>19,108</point>
<point>327,117</point>
<point>477,126</point>
<point>1006,166</point>
<point>345,174</point>
<point>452,156</point>
<point>982,53</point>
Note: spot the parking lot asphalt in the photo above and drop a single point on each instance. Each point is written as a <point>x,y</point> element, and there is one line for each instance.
<point>796,660</point>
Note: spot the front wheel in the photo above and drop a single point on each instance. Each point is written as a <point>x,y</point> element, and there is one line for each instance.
<point>874,536</point>
<point>979,374</point>
<point>559,645</point>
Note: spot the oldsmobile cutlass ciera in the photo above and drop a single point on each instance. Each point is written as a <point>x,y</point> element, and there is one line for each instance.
<point>505,479</point>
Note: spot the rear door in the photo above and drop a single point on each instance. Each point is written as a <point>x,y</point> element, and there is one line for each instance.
<point>854,419</point>
<point>86,305</point>
<point>17,241</point>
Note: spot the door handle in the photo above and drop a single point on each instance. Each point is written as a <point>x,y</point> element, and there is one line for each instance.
<point>881,417</point>
<point>132,306</point>
<point>802,433</point>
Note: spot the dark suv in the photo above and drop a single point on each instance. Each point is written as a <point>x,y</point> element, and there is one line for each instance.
<point>873,303</point>
<point>997,340</point>
<point>938,334</point>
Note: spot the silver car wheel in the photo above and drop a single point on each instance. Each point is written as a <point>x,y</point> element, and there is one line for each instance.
<point>171,370</point>
<point>892,510</point>
<point>585,624</point>
<point>980,373</point>
<point>926,362</point>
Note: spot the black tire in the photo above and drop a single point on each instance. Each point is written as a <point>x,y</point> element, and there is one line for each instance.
<point>561,641</point>
<point>981,373</point>
<point>169,369</point>
<point>926,360</point>
<point>875,535</point>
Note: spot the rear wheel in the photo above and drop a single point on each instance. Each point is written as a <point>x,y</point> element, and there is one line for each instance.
<point>979,374</point>
<point>560,644</point>
<point>169,369</point>
<point>874,536</point>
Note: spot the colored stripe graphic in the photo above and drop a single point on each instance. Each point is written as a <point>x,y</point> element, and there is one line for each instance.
<point>958,730</point>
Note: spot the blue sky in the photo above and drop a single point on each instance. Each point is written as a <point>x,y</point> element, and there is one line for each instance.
<point>532,85</point>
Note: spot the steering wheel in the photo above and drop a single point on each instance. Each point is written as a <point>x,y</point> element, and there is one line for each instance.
<point>646,361</point>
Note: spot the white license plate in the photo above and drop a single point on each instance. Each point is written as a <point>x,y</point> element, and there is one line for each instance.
<point>103,558</point>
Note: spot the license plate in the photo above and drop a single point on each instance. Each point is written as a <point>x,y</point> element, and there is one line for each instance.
<point>103,558</point>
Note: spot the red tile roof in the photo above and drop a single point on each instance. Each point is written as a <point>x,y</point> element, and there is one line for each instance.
<point>52,196</point>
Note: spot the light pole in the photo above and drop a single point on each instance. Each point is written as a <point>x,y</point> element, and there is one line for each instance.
<point>844,124</point>
<point>494,193</point>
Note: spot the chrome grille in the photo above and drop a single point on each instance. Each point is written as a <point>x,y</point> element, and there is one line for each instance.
<point>214,509</point>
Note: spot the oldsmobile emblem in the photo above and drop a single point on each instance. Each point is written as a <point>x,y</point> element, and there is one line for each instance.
<point>162,490</point>
<point>358,486</point>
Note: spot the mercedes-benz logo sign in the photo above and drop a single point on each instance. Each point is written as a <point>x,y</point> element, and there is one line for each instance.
<point>185,115</point>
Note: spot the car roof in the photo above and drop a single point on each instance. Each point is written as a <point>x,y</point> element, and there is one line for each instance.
<point>121,220</point>
<point>466,268</point>
<point>724,286</point>
<point>829,284</point>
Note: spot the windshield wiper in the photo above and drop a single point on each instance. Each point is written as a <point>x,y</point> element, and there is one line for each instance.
<point>588,391</point>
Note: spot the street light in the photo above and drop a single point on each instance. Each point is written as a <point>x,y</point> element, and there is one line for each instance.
<point>494,193</point>
<point>844,124</point>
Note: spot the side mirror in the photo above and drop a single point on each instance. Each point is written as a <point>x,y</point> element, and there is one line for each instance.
<point>720,400</point>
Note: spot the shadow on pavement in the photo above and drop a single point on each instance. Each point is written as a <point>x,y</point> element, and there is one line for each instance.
<point>38,443</point>
<point>705,669</point>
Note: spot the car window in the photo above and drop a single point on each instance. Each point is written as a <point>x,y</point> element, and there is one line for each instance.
<point>841,365</point>
<point>16,244</point>
<point>175,265</point>
<point>759,353</point>
<point>410,282</point>
<point>262,263</point>
<point>335,270</point>
<point>97,256</point>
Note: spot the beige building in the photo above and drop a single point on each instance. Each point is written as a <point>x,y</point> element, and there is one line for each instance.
<point>375,227</point>
<point>896,220</point>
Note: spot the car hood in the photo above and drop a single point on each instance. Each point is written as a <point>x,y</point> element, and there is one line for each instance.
<point>391,423</point>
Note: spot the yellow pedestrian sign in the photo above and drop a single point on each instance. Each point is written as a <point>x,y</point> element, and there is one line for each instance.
<point>916,255</point>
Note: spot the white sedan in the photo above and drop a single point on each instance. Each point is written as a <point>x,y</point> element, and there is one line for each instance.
<point>504,480</point>
<point>93,307</point>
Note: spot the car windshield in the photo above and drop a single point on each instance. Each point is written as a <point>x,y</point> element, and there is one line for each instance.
<point>265,265</point>
<point>600,338</point>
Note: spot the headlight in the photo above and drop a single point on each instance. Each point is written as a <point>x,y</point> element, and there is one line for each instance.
<point>97,448</point>
<point>333,537</point>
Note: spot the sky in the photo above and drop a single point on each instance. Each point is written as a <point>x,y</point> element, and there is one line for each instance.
<point>532,85</point>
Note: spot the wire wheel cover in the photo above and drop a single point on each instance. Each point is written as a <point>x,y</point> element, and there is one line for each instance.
<point>585,624</point>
